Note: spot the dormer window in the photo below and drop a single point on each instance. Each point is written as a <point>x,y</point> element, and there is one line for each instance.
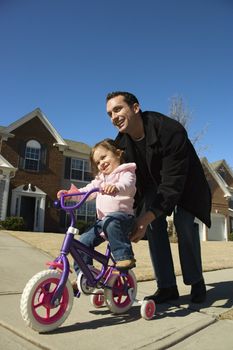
<point>222,172</point>
<point>32,155</point>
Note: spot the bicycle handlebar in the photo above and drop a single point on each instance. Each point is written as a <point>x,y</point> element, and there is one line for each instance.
<point>61,203</point>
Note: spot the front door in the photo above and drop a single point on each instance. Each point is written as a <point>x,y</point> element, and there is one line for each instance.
<point>27,211</point>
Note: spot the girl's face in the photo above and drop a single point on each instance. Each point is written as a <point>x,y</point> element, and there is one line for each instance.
<point>105,160</point>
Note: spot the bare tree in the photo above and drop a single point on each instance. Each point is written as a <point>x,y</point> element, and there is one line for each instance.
<point>182,114</point>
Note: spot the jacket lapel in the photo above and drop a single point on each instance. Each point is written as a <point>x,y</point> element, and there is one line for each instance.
<point>126,143</point>
<point>151,137</point>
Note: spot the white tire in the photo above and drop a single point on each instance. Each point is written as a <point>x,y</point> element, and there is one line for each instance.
<point>35,306</point>
<point>148,309</point>
<point>97,298</point>
<point>82,283</point>
<point>120,299</point>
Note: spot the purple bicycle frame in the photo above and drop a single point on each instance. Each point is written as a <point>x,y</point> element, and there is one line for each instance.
<point>74,247</point>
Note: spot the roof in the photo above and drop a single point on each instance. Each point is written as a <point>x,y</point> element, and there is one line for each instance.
<point>222,162</point>
<point>36,113</point>
<point>78,146</point>
<point>4,134</point>
<point>216,164</point>
<point>62,144</point>
<point>6,167</point>
<point>216,176</point>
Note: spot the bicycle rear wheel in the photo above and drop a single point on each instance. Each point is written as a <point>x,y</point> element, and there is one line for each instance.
<point>120,297</point>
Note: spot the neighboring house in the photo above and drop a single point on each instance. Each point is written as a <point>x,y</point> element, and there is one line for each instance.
<point>220,179</point>
<point>35,163</point>
<point>225,175</point>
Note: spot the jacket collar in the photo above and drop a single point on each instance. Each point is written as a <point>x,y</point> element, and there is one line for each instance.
<point>149,126</point>
<point>150,132</point>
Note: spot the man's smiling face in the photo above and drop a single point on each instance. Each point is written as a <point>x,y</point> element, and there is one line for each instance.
<point>121,114</point>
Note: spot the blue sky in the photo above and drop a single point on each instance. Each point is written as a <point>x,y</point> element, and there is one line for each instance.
<point>64,56</point>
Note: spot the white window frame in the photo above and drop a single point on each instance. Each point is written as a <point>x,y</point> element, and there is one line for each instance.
<point>32,154</point>
<point>83,167</point>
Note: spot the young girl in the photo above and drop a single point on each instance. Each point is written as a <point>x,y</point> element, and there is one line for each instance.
<point>114,203</point>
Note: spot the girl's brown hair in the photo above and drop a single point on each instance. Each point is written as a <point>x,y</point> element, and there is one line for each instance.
<point>110,145</point>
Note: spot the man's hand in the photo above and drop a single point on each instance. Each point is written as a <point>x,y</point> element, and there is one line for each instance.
<point>140,227</point>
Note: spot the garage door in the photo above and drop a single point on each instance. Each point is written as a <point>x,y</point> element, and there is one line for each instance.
<point>217,230</point>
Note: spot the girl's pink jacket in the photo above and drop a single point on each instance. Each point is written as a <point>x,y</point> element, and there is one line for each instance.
<point>124,178</point>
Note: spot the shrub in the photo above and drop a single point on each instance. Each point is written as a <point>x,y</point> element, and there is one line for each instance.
<point>230,238</point>
<point>171,232</point>
<point>14,223</point>
<point>170,228</point>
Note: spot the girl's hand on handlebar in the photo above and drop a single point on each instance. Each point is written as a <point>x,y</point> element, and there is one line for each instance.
<point>59,193</point>
<point>109,189</point>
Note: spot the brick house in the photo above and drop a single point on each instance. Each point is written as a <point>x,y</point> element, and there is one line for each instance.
<point>35,163</point>
<point>220,178</point>
<point>225,175</point>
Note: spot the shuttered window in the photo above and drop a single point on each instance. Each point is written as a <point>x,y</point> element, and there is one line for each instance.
<point>77,169</point>
<point>32,156</point>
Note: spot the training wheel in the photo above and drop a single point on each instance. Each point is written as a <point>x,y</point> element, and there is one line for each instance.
<point>97,298</point>
<point>148,309</point>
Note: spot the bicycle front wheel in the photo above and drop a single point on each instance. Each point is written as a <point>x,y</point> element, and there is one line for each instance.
<point>35,305</point>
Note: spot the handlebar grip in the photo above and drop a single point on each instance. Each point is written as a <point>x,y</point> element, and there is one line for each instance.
<point>61,203</point>
<point>57,204</point>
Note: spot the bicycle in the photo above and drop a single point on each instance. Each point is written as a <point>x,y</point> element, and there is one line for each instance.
<point>47,298</point>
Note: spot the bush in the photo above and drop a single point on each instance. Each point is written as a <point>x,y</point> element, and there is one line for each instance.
<point>14,223</point>
<point>171,232</point>
<point>230,238</point>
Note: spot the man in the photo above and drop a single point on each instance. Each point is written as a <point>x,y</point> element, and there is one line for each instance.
<point>170,179</point>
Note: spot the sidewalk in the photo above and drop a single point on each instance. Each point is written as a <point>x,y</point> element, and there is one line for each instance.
<point>176,326</point>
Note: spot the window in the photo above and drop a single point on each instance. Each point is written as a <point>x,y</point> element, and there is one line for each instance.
<point>32,155</point>
<point>80,170</point>
<point>87,213</point>
<point>230,203</point>
<point>231,224</point>
<point>222,172</point>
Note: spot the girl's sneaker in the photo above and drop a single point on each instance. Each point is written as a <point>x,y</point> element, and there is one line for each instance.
<point>126,264</point>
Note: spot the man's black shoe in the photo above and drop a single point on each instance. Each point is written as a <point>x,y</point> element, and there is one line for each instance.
<point>198,292</point>
<point>164,294</point>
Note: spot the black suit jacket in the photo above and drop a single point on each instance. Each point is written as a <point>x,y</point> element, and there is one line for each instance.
<point>174,167</point>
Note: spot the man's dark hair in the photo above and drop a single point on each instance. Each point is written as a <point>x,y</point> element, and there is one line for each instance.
<point>129,98</point>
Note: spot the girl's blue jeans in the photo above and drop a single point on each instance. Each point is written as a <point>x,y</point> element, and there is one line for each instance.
<point>117,227</point>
